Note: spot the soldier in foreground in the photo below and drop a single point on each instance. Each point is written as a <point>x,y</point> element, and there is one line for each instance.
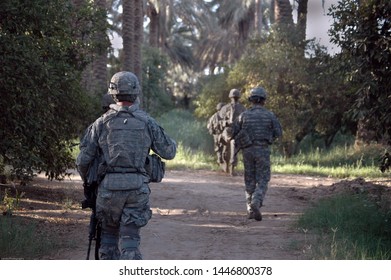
<point>254,131</point>
<point>123,138</point>
<point>215,129</point>
<point>229,113</point>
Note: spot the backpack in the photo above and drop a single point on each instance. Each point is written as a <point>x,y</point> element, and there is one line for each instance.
<point>155,168</point>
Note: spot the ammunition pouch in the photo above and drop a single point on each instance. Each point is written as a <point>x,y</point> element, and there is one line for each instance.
<point>242,140</point>
<point>155,168</point>
<point>227,134</point>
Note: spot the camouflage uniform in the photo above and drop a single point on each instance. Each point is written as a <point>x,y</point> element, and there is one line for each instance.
<point>215,129</point>
<point>229,113</point>
<point>261,128</point>
<point>123,136</point>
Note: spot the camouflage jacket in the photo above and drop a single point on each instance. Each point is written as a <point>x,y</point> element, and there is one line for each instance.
<point>124,136</point>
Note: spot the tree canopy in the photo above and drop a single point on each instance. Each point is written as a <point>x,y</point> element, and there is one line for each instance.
<point>363,31</point>
<point>46,49</point>
<point>43,49</point>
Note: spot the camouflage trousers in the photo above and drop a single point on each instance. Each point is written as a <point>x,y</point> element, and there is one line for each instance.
<point>122,214</point>
<point>229,149</point>
<point>218,148</point>
<point>256,160</point>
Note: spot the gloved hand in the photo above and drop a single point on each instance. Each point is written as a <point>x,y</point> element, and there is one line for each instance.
<point>90,196</point>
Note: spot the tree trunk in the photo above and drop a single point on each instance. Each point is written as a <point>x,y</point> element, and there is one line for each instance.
<point>258,17</point>
<point>283,12</point>
<point>153,26</point>
<point>128,7</point>
<point>302,22</point>
<point>138,38</point>
<point>162,23</point>
<point>100,61</point>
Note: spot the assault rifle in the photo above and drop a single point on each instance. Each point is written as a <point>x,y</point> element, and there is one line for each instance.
<point>95,229</point>
<point>90,186</point>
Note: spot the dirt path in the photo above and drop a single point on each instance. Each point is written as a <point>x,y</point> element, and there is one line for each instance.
<point>196,215</point>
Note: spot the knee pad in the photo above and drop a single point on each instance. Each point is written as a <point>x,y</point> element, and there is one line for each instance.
<point>130,237</point>
<point>109,245</point>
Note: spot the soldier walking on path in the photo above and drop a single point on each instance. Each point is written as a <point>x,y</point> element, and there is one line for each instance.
<point>229,113</point>
<point>123,138</point>
<point>254,131</point>
<point>215,129</point>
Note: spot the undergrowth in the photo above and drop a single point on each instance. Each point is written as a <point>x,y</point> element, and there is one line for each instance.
<point>347,227</point>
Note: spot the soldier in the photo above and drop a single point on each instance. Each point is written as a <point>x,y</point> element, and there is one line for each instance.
<point>229,113</point>
<point>124,136</point>
<point>215,129</point>
<point>254,131</point>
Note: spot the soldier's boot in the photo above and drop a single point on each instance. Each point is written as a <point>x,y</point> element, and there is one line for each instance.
<point>220,159</point>
<point>250,213</point>
<point>232,170</point>
<point>257,212</point>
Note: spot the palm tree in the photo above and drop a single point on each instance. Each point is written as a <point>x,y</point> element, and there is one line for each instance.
<point>100,61</point>
<point>128,7</point>
<point>138,37</point>
<point>132,35</point>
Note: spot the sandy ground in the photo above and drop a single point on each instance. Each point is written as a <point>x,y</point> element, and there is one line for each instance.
<point>197,215</point>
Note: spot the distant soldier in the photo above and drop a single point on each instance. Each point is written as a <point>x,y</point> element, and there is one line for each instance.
<point>215,129</point>
<point>254,131</point>
<point>229,113</point>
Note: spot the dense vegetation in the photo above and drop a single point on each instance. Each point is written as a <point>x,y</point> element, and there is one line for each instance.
<point>347,227</point>
<point>53,71</point>
<point>43,50</point>
<point>192,64</point>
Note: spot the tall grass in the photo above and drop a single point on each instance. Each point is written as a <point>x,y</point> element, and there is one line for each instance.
<point>192,133</point>
<point>22,240</point>
<point>340,162</point>
<point>348,226</point>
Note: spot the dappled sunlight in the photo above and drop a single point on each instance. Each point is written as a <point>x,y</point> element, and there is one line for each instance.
<point>56,216</point>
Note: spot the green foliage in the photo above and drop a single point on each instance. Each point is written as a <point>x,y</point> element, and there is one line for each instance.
<point>184,128</point>
<point>187,158</point>
<point>349,227</point>
<point>44,47</point>
<point>340,161</point>
<point>363,31</point>
<point>214,89</point>
<point>303,91</point>
<point>156,99</point>
<point>8,203</point>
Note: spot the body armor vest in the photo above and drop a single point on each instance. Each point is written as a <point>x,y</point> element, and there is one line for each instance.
<point>259,124</point>
<point>125,142</point>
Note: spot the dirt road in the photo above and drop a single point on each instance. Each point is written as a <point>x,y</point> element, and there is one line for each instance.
<point>196,215</point>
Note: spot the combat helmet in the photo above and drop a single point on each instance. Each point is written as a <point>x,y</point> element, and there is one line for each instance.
<point>124,86</point>
<point>219,106</point>
<point>234,93</point>
<point>257,93</point>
